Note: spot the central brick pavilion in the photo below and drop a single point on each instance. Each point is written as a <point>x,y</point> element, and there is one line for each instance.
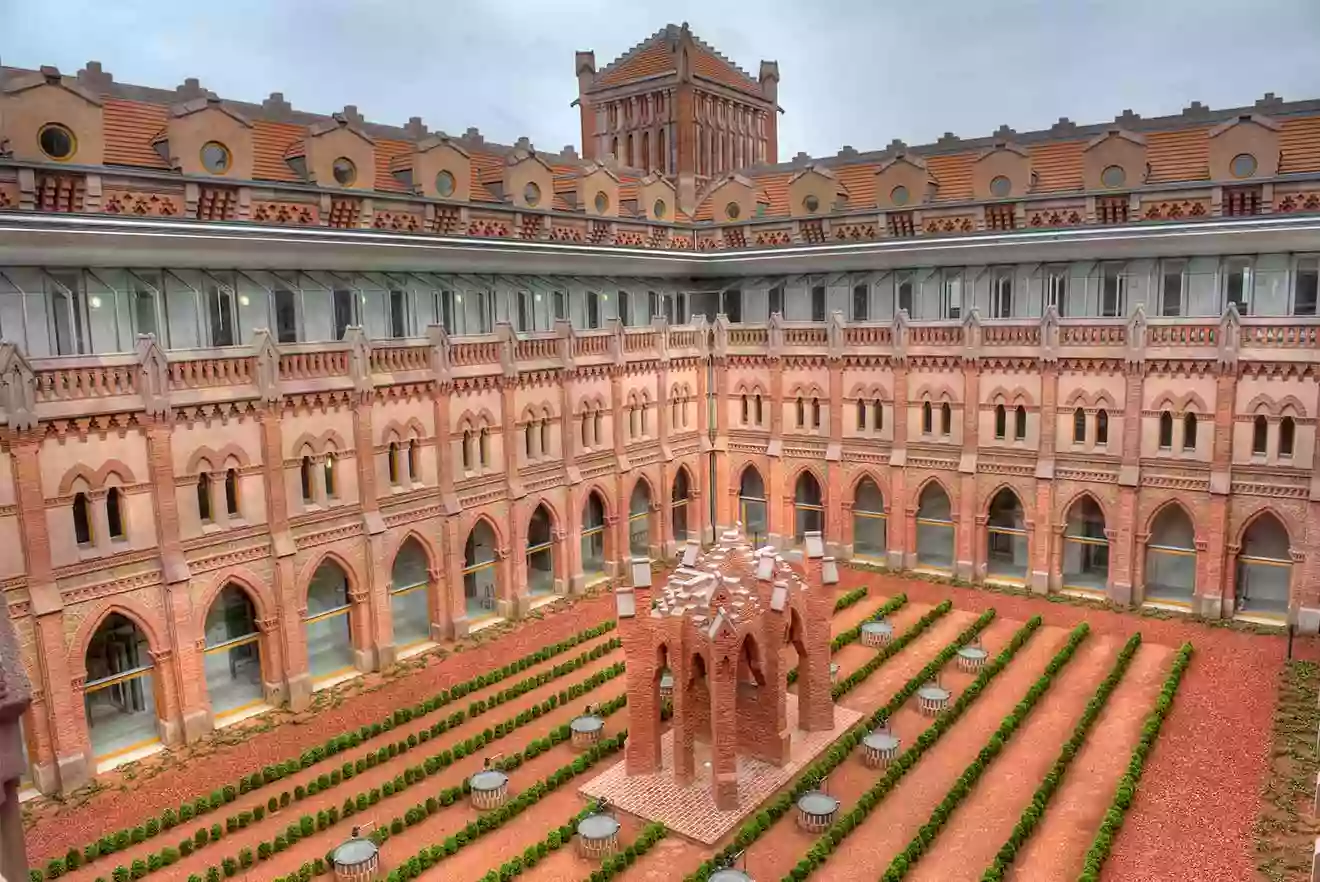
<point>718,626</point>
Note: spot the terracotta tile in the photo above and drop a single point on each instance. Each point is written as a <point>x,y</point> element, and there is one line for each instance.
<point>486,168</point>
<point>1178,156</point>
<point>1300,143</point>
<point>130,127</point>
<point>707,65</point>
<point>954,174</point>
<point>647,63</point>
<point>270,142</point>
<point>1058,167</point>
<point>386,153</point>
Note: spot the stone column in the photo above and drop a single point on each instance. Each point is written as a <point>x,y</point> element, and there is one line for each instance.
<point>1215,594</point>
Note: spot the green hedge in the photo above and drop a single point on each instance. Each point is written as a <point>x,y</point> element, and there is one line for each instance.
<point>1032,814</point>
<point>841,640</point>
<point>930,831</point>
<point>433,765</point>
<point>850,599</point>
<point>1127,785</point>
<point>850,682</point>
<point>616,864</point>
<point>171,818</point>
<point>841,749</point>
<point>840,829</point>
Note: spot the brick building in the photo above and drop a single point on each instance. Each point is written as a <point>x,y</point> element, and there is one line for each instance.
<point>287,395</point>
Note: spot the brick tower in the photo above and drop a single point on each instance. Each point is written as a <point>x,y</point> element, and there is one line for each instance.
<point>718,626</point>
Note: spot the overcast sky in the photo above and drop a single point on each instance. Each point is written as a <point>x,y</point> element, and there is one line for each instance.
<point>855,72</point>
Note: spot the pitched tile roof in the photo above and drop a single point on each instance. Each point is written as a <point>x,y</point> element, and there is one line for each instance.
<point>706,63</point>
<point>1182,155</point>
<point>650,61</point>
<point>386,153</point>
<point>130,127</point>
<point>954,174</point>
<point>775,187</point>
<point>1300,142</point>
<point>270,142</point>
<point>486,168</point>
<point>1058,167</point>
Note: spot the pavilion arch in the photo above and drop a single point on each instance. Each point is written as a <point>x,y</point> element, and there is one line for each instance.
<point>237,657</point>
<point>750,659</point>
<point>870,515</point>
<point>147,621</point>
<point>411,603</point>
<point>1085,544</point>
<point>1007,543</point>
<point>123,699</point>
<point>597,545</point>
<point>935,526</point>
<point>1169,567</point>
<point>541,549</point>
<point>1264,564</point>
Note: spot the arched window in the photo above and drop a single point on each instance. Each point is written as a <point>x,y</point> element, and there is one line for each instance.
<point>414,461</point>
<point>1171,558</point>
<point>1166,430</point>
<point>409,605</point>
<point>331,488</point>
<point>946,419</point>
<point>1264,568</point>
<point>1079,426</point>
<point>1287,435</point>
<point>808,510</point>
<point>801,413</point>
<point>1020,423</point>
<point>540,554</point>
<point>586,429</point>
<point>745,409</point>
<point>869,520</point>
<point>232,657</point>
<point>1102,426</point>
<point>305,479</point>
<point>598,426</point>
<point>759,419</point>
<point>231,493</point>
<point>934,528</point>
<point>678,505</point>
<point>1189,431</point>
<point>685,413</point>
<point>329,635</point>
<point>1085,548</point>
<point>751,504</point>
<point>467,450</point>
<point>114,513</point>
<point>483,447</point>
<point>878,408</point>
<point>815,413</point>
<point>82,519</point>
<point>674,416</point>
<point>479,576</point>
<point>593,535</point>
<point>1001,421</point>
<point>861,415</point>
<point>639,520</point>
<point>529,430</point>
<point>644,407</point>
<point>204,498</point>
<point>119,694</point>
<point>1260,432</point>
<point>926,423</point>
<point>544,428</point>
<point>1006,538</point>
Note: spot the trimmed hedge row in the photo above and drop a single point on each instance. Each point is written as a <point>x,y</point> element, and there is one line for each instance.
<point>1040,800</point>
<point>840,750</point>
<point>850,682</point>
<point>432,765</point>
<point>1127,785</point>
<point>170,818</point>
<point>843,639</point>
<point>557,838</point>
<point>616,864</point>
<point>929,831</point>
<point>840,829</point>
<point>850,599</point>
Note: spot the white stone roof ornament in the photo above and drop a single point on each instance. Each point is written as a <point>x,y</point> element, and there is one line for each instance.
<point>625,603</point>
<point>690,554</point>
<point>829,572</point>
<point>641,572</point>
<point>814,545</point>
<point>779,596</point>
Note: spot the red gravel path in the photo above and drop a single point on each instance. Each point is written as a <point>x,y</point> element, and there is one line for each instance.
<point>1054,853</point>
<point>566,864</point>
<point>669,860</point>
<point>869,849</point>
<point>979,826</point>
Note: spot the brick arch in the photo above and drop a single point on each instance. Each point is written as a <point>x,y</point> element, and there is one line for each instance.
<point>148,621</point>
<point>214,457</point>
<point>1180,403</point>
<point>329,440</point>
<point>650,489</point>
<point>749,388</point>
<point>1081,398</point>
<point>792,483</point>
<point>879,482</point>
<point>939,482</point>
<point>431,552</point>
<point>263,601</point>
<point>475,420</point>
<point>309,569</point>
<point>501,540</point>
<point>936,394</point>
<point>1076,497</point>
<point>590,404</point>
<point>555,518</point>
<point>1159,509</point>
<point>807,390</point>
<point>600,492</point>
<point>862,391</point>
<point>748,634</point>
<point>95,480</point>
<point>403,431</point>
<point>1289,526</point>
<point>749,464</point>
<point>1010,397</point>
<point>988,498</point>
<point>691,481</point>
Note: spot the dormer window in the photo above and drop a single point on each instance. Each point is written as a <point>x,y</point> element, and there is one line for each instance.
<point>531,193</point>
<point>811,203</point>
<point>1113,176</point>
<point>57,142</point>
<point>1243,165</point>
<point>732,210</point>
<point>602,202</point>
<point>444,184</point>
<point>1000,187</point>
<point>345,171</point>
<point>899,195</point>
<point>659,208</point>
<point>215,157</point>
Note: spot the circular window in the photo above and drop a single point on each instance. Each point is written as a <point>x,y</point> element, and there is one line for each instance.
<point>602,202</point>
<point>811,203</point>
<point>1000,186</point>
<point>659,208</point>
<point>899,195</point>
<point>56,141</point>
<point>1244,165</point>
<point>531,193</point>
<point>345,171</point>
<point>215,157</point>
<point>444,184</point>
<point>732,210</point>
<point>1113,176</point>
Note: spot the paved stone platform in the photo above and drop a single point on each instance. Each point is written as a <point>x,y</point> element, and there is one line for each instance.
<point>690,811</point>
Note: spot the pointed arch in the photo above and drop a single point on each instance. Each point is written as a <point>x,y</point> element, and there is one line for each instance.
<point>936,480</point>
<point>260,593</point>
<point>308,572</point>
<point>1159,510</point>
<point>213,459</point>
<point>143,618</point>
<point>1290,528</point>
<point>96,480</point>
<point>864,474</point>
<point>750,467</point>
<point>750,659</point>
<point>1077,497</point>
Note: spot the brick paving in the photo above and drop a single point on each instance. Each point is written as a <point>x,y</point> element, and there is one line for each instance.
<point>690,811</point>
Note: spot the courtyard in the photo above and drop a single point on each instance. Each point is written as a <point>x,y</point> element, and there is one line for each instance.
<point>392,753</point>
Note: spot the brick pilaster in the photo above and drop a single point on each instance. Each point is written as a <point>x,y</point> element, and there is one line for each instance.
<point>1120,527</point>
<point>1215,590</point>
<point>966,560</point>
<point>1041,531</point>
<point>897,504</point>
